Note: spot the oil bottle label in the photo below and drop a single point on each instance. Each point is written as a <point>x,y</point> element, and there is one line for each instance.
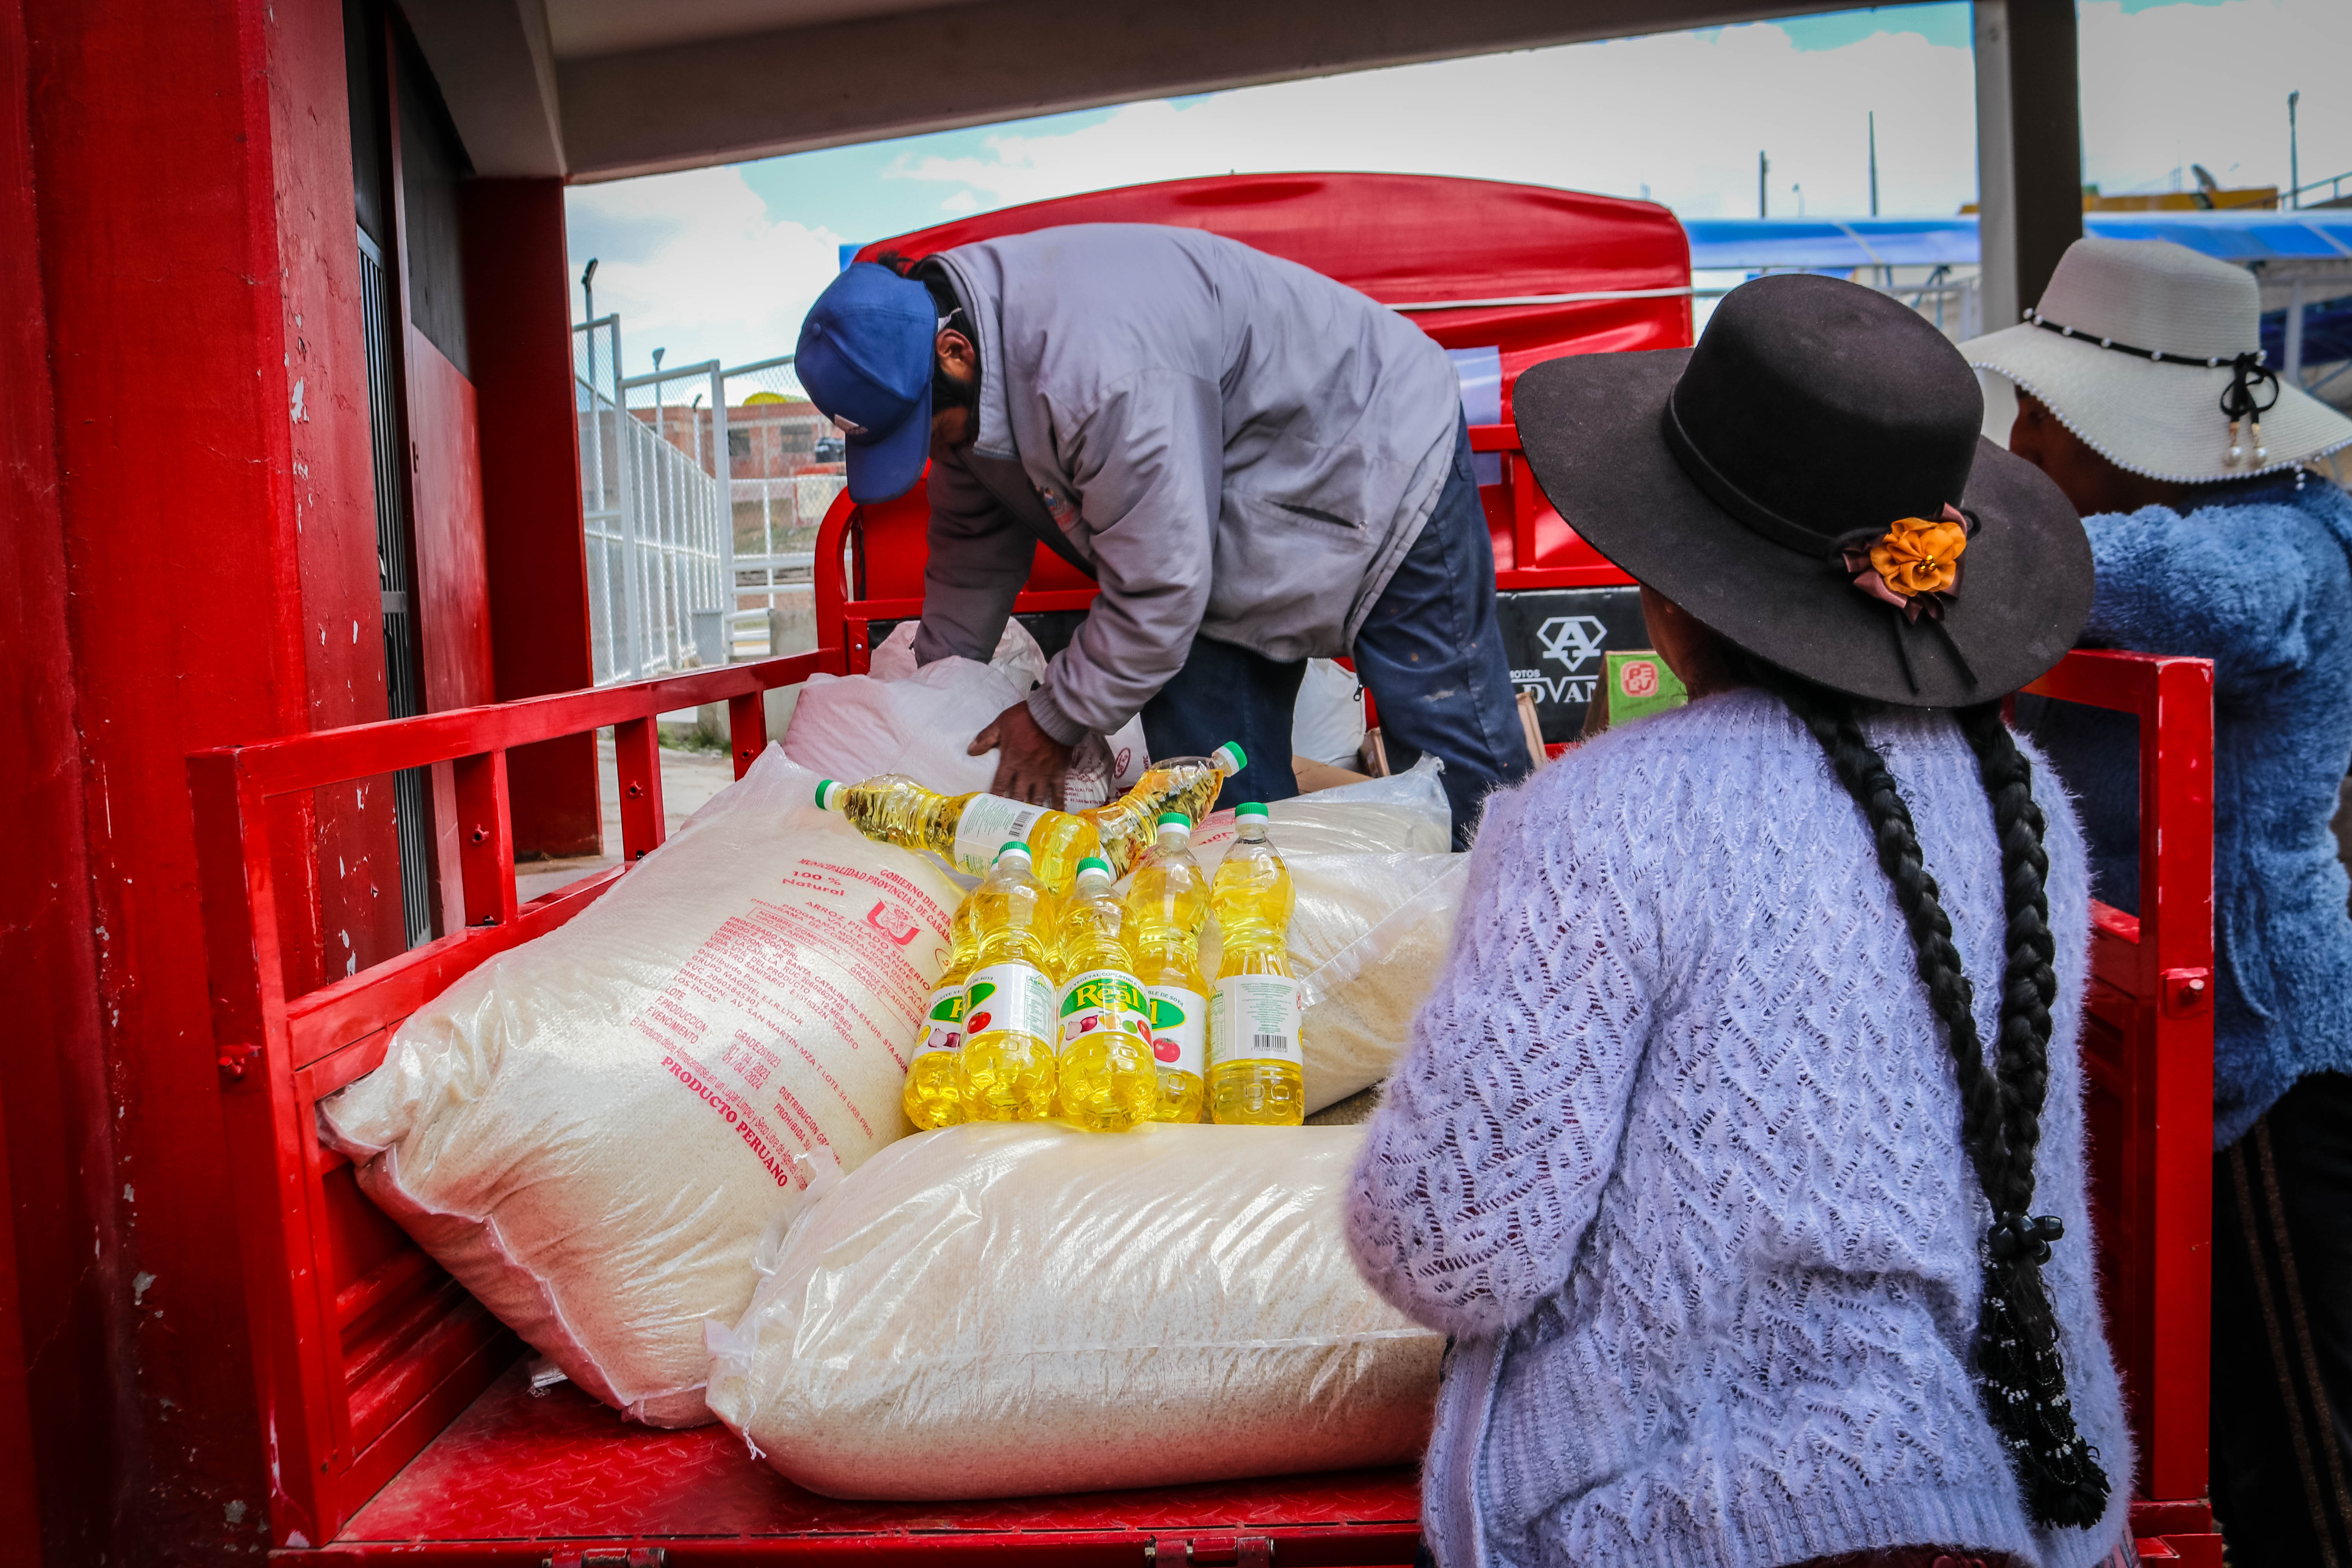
<point>1256,1017</point>
<point>1104,999</point>
<point>989,822</point>
<point>1180,1029</point>
<point>1010,996</point>
<point>943,1021</point>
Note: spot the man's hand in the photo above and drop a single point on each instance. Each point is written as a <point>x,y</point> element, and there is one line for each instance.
<point>1032,763</point>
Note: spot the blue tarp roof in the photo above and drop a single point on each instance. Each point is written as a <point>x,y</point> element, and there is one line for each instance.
<point>1748,243</point>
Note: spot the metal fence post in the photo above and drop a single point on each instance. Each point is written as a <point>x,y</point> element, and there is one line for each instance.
<point>722,466</point>
<point>632,566</point>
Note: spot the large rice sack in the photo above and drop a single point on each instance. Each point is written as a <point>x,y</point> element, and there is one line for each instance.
<point>592,1131</point>
<point>1006,1309</point>
<point>1378,817</point>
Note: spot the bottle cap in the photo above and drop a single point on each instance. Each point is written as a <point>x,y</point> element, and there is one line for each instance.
<point>1249,808</point>
<point>824,789</point>
<point>1095,863</point>
<point>1230,757</point>
<point>1178,817</point>
<point>1013,847</point>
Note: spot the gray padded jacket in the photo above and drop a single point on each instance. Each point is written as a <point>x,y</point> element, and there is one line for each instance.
<point>1231,444</point>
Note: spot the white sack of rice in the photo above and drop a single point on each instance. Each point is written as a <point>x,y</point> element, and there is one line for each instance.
<point>1312,825</point>
<point>1367,937</point>
<point>1008,1310</point>
<point>592,1131</point>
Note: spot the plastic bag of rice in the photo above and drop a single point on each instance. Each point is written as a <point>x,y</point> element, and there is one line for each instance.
<point>1366,936</point>
<point>1378,817</point>
<point>592,1131</point>
<point>1006,1309</point>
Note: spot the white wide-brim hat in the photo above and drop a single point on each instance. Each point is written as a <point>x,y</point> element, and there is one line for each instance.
<point>2137,347</point>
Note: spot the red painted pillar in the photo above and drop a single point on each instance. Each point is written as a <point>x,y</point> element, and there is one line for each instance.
<point>187,562</point>
<point>519,321</point>
<point>59,1262</point>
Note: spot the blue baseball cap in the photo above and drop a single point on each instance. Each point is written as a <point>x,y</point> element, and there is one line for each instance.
<point>865,359</point>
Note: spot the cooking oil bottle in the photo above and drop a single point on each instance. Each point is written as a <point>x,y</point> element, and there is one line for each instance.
<point>931,1097</point>
<point>962,829</point>
<point>1107,1078</point>
<point>1167,904</point>
<point>1258,1073</point>
<point>1186,785</point>
<point>1006,1071</point>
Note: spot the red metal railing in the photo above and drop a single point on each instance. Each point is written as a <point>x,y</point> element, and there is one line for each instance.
<point>364,1348</point>
<point>2148,1054</point>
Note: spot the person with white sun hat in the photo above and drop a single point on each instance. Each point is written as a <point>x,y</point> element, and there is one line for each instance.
<point>2142,391</point>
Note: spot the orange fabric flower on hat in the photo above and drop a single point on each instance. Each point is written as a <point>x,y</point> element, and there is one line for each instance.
<point>1915,565</point>
<point>1920,556</point>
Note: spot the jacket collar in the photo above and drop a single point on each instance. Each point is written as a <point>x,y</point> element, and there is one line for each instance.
<point>978,283</point>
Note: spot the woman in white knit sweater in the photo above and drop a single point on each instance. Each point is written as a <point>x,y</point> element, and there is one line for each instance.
<point>1759,1229</point>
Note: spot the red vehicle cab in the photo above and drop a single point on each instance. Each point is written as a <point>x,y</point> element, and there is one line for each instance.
<point>397,1416</point>
<point>1501,275</point>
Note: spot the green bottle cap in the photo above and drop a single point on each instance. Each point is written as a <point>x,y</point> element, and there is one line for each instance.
<point>1178,817</point>
<point>824,788</point>
<point>1094,863</point>
<point>1013,847</point>
<point>1249,808</point>
<point>1230,757</point>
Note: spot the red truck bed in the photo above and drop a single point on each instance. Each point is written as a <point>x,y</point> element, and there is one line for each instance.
<point>394,1411</point>
<point>518,1471</point>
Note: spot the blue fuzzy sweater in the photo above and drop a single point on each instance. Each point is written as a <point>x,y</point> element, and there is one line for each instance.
<point>1676,1158</point>
<point>2259,583</point>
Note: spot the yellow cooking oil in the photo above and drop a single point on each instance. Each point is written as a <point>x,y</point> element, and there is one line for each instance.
<point>1105,1077</point>
<point>932,1096</point>
<point>1006,1071</point>
<point>1186,785</point>
<point>1257,1074</point>
<point>1167,905</point>
<point>962,829</point>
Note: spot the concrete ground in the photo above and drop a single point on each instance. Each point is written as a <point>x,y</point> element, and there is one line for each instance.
<point>688,779</point>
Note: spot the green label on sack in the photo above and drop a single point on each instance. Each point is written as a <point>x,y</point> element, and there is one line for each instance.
<point>1180,1029</point>
<point>943,1021</point>
<point>1639,684</point>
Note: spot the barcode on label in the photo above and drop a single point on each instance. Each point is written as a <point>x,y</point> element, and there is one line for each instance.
<point>1270,1045</point>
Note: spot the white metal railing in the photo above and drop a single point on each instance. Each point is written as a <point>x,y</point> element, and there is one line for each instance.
<point>657,522</point>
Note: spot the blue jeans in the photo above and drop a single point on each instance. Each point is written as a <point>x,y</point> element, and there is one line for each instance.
<point>1431,654</point>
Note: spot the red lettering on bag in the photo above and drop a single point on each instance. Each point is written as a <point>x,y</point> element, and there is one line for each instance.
<point>893,922</point>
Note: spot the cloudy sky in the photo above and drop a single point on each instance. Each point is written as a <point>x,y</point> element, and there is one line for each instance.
<point>724,261</point>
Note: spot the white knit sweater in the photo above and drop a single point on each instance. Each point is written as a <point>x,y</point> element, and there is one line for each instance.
<point>1675,1156</point>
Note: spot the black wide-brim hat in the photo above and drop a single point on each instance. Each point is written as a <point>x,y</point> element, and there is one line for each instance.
<point>1746,478</point>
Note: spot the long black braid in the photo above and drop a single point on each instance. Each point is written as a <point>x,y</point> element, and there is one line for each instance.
<point>2019,1374</point>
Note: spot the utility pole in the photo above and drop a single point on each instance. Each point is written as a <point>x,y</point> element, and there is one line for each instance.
<point>2029,147</point>
<point>1874,163</point>
<point>2293,154</point>
<point>1763,173</point>
<point>588,289</point>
